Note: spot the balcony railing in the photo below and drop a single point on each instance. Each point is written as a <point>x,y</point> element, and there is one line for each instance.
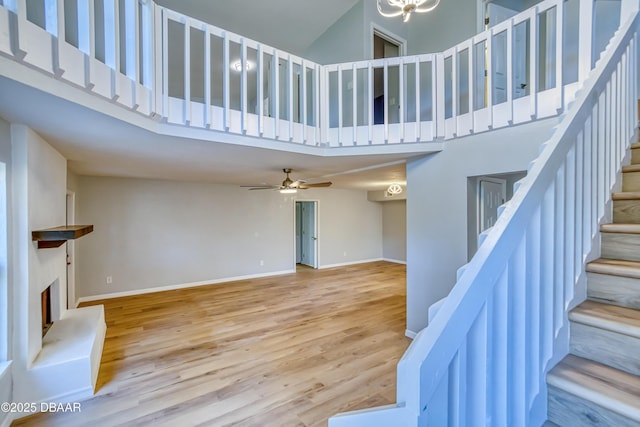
<point>160,63</point>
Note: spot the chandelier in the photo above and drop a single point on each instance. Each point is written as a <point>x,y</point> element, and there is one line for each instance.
<point>405,7</point>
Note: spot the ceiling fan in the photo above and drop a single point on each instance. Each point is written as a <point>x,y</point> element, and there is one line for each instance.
<point>288,185</point>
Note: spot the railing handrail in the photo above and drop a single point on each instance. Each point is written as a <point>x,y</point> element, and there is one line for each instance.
<point>429,349</point>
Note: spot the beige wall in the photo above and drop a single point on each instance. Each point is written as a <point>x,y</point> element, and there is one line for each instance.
<point>154,233</point>
<point>394,230</point>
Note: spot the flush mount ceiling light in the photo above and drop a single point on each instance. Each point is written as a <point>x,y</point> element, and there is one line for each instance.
<point>392,8</point>
<point>394,189</point>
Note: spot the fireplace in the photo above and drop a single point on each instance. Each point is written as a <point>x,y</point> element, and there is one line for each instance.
<point>47,317</point>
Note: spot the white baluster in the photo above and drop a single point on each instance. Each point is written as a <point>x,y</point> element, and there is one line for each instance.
<point>585,39</point>
<point>303,100</point>
<point>207,76</point>
<point>340,105</point>
<point>401,98</point>
<point>260,94</point>
<point>370,100</point>
<point>386,100</point>
<point>418,114</point>
<point>533,63</point>
<point>187,71</point>
<point>226,86</point>
<point>165,65</point>
<point>354,103</point>
<point>276,93</point>
<point>243,86</point>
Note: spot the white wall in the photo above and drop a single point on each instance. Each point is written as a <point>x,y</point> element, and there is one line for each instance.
<point>350,38</point>
<point>437,207</point>
<point>394,230</point>
<point>350,226</point>
<point>154,233</point>
<point>6,282</point>
<point>452,22</point>
<point>39,190</point>
<point>343,41</point>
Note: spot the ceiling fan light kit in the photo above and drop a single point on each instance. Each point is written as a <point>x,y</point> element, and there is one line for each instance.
<point>290,186</point>
<point>393,8</point>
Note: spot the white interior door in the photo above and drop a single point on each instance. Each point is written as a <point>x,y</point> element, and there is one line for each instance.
<point>492,193</point>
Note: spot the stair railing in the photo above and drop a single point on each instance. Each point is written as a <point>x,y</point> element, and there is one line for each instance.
<point>483,360</point>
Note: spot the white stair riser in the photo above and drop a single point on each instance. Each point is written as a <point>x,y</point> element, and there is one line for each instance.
<point>621,246</point>
<point>626,211</point>
<point>616,290</point>
<point>631,181</point>
<point>568,410</point>
<point>610,348</point>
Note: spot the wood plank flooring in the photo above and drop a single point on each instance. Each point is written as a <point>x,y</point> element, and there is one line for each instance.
<point>288,350</point>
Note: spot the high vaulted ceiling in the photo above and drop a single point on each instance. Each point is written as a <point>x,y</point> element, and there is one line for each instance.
<point>286,24</point>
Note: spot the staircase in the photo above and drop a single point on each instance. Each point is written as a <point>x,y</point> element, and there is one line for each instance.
<point>599,382</point>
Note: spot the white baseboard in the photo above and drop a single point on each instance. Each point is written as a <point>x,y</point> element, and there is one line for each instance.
<point>8,420</point>
<point>344,264</point>
<point>395,261</point>
<point>410,334</point>
<point>179,286</point>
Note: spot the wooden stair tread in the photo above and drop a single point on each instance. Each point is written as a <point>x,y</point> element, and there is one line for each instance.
<point>627,195</point>
<point>615,267</point>
<point>635,145</point>
<point>617,319</point>
<point>631,168</point>
<point>605,386</point>
<point>620,228</point>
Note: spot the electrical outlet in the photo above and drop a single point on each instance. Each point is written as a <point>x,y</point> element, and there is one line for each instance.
<point>345,253</point>
<point>261,263</point>
<point>109,280</point>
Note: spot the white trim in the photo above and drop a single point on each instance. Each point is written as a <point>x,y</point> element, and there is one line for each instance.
<point>343,264</point>
<point>410,334</point>
<point>7,421</point>
<point>395,261</point>
<point>70,202</point>
<point>180,286</point>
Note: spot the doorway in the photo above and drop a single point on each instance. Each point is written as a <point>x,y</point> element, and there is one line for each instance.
<point>306,233</point>
<point>71,271</point>
<point>386,46</point>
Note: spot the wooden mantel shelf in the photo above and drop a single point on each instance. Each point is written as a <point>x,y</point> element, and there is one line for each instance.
<point>55,237</point>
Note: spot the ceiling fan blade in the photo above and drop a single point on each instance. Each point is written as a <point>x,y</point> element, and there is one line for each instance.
<point>316,185</point>
<point>264,188</point>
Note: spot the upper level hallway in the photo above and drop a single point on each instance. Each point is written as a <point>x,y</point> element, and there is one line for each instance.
<point>172,74</point>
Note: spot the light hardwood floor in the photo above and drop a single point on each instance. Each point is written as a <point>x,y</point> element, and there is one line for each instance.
<point>283,351</point>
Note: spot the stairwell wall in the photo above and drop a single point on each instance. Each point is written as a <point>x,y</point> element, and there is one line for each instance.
<point>437,207</point>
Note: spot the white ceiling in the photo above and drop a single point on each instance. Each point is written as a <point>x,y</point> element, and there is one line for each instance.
<point>286,24</point>
<point>97,144</point>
